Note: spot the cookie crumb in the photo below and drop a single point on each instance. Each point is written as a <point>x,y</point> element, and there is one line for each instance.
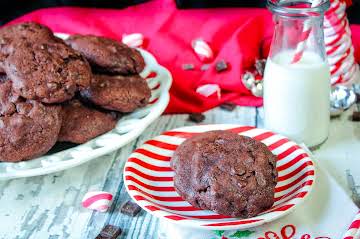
<point>130,208</point>
<point>188,67</point>
<point>205,67</point>
<point>109,232</point>
<point>228,106</point>
<point>221,65</point>
<point>196,117</point>
<point>356,116</point>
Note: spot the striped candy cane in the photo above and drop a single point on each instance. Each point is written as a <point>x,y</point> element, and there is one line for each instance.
<point>354,228</point>
<point>304,36</point>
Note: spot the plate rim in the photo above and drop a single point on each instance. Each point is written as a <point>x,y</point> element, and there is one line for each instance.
<point>154,113</point>
<point>187,223</point>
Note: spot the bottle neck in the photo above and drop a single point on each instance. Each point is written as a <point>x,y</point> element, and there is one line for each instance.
<point>290,31</point>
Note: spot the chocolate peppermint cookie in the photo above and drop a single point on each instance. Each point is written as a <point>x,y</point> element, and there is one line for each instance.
<point>81,123</point>
<point>119,93</point>
<point>107,55</point>
<point>222,171</point>
<point>26,31</point>
<point>30,131</point>
<point>49,72</point>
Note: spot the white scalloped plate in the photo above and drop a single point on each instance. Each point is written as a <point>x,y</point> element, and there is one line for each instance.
<point>127,129</point>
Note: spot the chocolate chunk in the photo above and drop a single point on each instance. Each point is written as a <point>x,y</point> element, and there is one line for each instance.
<point>221,66</point>
<point>188,67</point>
<point>109,232</point>
<point>196,117</point>
<point>229,106</point>
<point>356,116</point>
<point>260,66</point>
<point>205,67</point>
<point>130,208</point>
<point>357,98</point>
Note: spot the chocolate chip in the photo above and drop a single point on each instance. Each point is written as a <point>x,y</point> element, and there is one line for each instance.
<point>357,98</point>
<point>109,232</point>
<point>356,116</point>
<point>130,208</point>
<point>221,66</point>
<point>260,66</point>
<point>205,67</point>
<point>188,67</point>
<point>229,106</point>
<point>196,117</point>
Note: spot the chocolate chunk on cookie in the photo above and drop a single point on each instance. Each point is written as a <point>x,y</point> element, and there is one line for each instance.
<point>8,98</point>
<point>28,132</point>
<point>119,93</point>
<point>81,123</point>
<point>48,72</point>
<point>107,55</point>
<point>222,171</point>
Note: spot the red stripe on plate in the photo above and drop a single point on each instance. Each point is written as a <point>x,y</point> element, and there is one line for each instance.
<point>179,134</point>
<point>212,217</point>
<point>162,145</point>
<point>292,162</point>
<point>287,186</point>
<point>148,177</point>
<point>150,187</point>
<point>288,151</point>
<point>241,129</point>
<point>149,166</point>
<point>263,136</point>
<point>175,217</point>
<point>299,195</point>
<point>277,144</point>
<point>296,171</point>
<point>175,208</point>
<point>307,183</point>
<point>92,199</point>
<point>153,101</point>
<point>152,155</point>
<point>355,225</point>
<point>241,222</point>
<point>159,198</point>
<point>282,208</point>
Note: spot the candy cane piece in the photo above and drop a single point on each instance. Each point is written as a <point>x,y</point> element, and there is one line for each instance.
<point>97,200</point>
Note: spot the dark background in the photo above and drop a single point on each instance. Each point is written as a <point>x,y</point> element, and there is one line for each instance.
<point>10,9</point>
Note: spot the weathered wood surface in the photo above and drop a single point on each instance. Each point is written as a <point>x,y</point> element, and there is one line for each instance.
<point>49,206</point>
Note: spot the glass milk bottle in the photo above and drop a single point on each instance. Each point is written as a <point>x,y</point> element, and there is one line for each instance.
<point>297,77</point>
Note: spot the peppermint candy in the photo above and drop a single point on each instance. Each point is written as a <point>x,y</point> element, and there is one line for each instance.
<point>97,200</point>
<point>209,89</point>
<point>133,40</point>
<point>202,50</point>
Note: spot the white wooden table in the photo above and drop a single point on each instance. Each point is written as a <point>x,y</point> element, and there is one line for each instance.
<point>50,206</point>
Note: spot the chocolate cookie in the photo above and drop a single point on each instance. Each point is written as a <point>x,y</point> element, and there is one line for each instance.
<point>29,132</point>
<point>107,55</point>
<point>119,93</point>
<point>81,124</point>
<point>30,31</point>
<point>27,31</point>
<point>222,171</point>
<point>48,72</point>
<point>8,98</point>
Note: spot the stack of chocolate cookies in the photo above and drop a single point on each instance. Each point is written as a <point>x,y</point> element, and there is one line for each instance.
<point>53,90</point>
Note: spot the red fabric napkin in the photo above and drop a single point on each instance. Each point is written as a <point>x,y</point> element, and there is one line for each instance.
<point>238,36</point>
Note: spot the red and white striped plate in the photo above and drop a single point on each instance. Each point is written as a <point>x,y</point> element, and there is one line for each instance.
<point>149,178</point>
